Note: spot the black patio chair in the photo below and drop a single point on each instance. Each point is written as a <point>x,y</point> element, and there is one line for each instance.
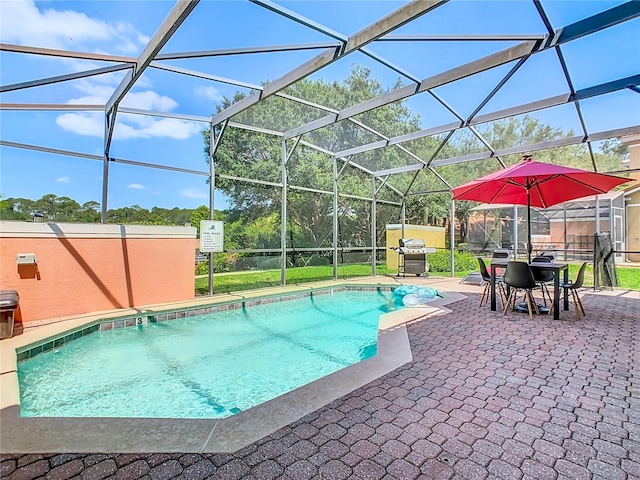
<point>486,278</point>
<point>552,254</point>
<point>519,278</point>
<point>573,288</point>
<point>502,253</point>
<point>543,277</point>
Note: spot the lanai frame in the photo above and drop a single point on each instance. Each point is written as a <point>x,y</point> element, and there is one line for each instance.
<point>337,47</point>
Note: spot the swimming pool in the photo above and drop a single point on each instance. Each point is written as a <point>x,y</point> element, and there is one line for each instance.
<point>210,365</point>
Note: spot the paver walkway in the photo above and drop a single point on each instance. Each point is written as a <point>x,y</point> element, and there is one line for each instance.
<point>486,396</point>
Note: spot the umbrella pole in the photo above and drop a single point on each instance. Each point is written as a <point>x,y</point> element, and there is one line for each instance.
<point>529,247</point>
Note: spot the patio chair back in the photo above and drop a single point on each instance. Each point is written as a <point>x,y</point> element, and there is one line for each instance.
<point>548,254</point>
<point>573,289</point>
<point>518,275</point>
<point>484,273</point>
<point>542,275</point>
<point>580,278</point>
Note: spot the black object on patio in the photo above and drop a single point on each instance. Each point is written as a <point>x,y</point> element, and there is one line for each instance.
<point>543,277</point>
<point>519,278</point>
<point>486,278</point>
<point>573,288</point>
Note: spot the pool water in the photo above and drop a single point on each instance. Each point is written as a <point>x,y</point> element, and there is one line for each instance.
<point>208,366</point>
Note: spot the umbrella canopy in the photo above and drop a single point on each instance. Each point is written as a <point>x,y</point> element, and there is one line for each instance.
<point>536,184</point>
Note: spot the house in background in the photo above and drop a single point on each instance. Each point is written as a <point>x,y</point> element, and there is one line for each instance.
<point>632,198</point>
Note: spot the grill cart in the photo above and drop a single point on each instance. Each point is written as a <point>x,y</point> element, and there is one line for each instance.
<point>9,300</point>
<point>412,257</point>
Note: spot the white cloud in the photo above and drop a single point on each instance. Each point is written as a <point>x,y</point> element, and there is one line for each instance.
<point>63,179</point>
<point>136,186</point>
<point>193,193</point>
<point>90,124</point>
<point>173,128</point>
<point>93,91</point>
<point>210,93</point>
<point>99,94</point>
<point>24,23</point>
<point>149,100</point>
<point>128,126</point>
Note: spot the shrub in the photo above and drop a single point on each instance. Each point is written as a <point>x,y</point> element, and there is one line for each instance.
<point>202,268</point>
<point>268,262</point>
<point>441,261</point>
<point>222,262</point>
<point>319,261</point>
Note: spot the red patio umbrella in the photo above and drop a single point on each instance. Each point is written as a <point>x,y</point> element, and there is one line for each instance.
<point>536,184</point>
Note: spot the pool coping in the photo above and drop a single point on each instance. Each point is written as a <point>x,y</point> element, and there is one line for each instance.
<point>138,435</point>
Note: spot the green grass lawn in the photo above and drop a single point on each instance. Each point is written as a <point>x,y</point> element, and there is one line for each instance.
<point>628,277</point>
<point>236,281</point>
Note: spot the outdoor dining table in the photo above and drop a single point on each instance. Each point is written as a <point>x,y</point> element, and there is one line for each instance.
<point>556,268</point>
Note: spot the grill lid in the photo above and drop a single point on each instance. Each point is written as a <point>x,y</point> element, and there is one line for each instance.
<point>411,243</point>
<point>9,299</point>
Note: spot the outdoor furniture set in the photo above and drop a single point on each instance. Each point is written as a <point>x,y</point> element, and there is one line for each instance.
<point>534,184</point>
<point>525,277</point>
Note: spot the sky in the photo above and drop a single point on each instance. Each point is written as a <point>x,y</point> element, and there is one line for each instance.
<point>124,28</point>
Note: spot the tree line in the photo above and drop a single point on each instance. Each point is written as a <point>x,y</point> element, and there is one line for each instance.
<point>248,154</point>
<point>64,209</point>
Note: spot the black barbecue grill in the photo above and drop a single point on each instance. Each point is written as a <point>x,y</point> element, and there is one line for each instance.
<point>412,257</point>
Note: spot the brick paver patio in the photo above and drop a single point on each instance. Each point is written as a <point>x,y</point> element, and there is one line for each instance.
<point>486,396</point>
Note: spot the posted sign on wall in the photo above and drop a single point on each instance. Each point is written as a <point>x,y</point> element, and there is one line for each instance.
<point>211,236</point>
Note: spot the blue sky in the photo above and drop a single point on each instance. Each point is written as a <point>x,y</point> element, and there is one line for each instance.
<point>124,27</point>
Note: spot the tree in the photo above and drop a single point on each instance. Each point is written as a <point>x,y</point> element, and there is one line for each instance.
<point>174,216</point>
<point>252,155</point>
<point>67,210</point>
<point>202,213</point>
<point>89,212</point>
<point>47,205</point>
<point>16,209</point>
